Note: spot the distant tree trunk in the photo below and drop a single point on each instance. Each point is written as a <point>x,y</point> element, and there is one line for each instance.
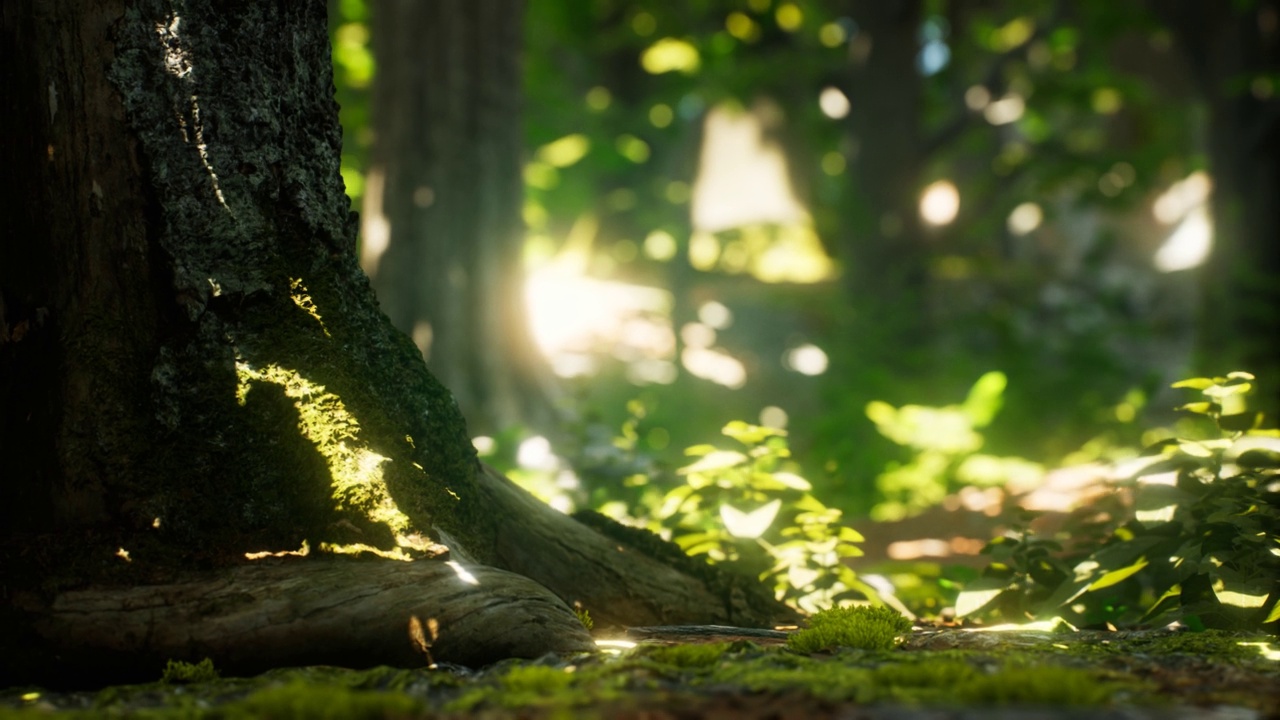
<point>193,366</point>
<point>881,242</point>
<point>1234,54</point>
<point>445,195</point>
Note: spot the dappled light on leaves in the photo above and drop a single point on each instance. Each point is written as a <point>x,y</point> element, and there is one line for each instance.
<point>670,55</point>
<point>566,151</point>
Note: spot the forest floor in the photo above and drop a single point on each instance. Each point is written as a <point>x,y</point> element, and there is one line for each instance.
<point>934,674</point>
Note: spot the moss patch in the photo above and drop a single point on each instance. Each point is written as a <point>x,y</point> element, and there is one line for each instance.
<point>861,627</point>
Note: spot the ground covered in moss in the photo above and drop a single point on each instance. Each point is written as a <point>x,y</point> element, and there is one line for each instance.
<point>933,674</point>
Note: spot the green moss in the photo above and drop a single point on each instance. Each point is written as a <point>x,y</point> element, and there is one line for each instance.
<point>832,681</point>
<point>926,681</point>
<point>307,700</point>
<point>1222,645</point>
<point>1040,685</point>
<point>537,679</point>
<point>688,656</point>
<point>524,686</point>
<point>178,672</point>
<point>861,627</point>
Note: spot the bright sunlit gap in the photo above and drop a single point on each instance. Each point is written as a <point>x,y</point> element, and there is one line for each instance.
<point>940,203</point>
<point>742,178</point>
<point>806,359</point>
<point>834,104</point>
<point>746,219</point>
<point>1007,109</point>
<point>1185,205</point>
<point>1025,218</point>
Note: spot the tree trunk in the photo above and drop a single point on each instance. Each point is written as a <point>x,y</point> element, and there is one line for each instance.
<point>1231,49</point>
<point>881,241</point>
<point>194,366</point>
<point>443,230</point>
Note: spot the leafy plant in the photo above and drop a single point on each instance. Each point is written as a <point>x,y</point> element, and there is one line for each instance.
<point>746,507</point>
<point>945,442</point>
<point>1204,544</point>
<point>1023,572</point>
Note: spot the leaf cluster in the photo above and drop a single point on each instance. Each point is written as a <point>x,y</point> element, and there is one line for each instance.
<point>1203,545</point>
<point>744,506</point>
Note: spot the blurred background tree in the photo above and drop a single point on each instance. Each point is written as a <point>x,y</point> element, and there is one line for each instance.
<point>809,214</point>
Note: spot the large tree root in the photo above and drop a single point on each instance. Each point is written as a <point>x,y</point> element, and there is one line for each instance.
<point>623,576</point>
<point>306,611</point>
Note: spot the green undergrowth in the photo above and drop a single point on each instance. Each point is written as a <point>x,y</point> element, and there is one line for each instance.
<point>1049,670</point>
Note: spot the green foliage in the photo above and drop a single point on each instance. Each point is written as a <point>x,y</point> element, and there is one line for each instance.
<point>745,507</point>
<point>1023,572</point>
<point>584,617</point>
<point>945,442</point>
<point>860,627</point>
<point>178,672</point>
<point>1204,544</point>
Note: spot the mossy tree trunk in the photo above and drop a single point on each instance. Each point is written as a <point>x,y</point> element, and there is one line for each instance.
<point>193,367</point>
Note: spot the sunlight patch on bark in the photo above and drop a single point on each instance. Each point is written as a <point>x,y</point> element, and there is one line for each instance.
<point>356,472</point>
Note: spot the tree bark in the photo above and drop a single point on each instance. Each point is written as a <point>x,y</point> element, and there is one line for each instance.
<point>194,366</point>
<point>444,234</point>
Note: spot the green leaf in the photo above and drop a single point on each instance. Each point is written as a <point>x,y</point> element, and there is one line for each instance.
<point>1241,596</point>
<point>673,501</point>
<point>748,434</point>
<point>1221,391</point>
<point>717,460</point>
<point>848,534</point>
<point>793,481</point>
<point>881,413</point>
<point>1274,615</point>
<point>1203,408</point>
<point>1199,383</point>
<point>985,398</point>
<point>1171,599</point>
<point>1195,449</point>
<point>752,524</point>
<point>978,595</point>
<point>1117,576</point>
